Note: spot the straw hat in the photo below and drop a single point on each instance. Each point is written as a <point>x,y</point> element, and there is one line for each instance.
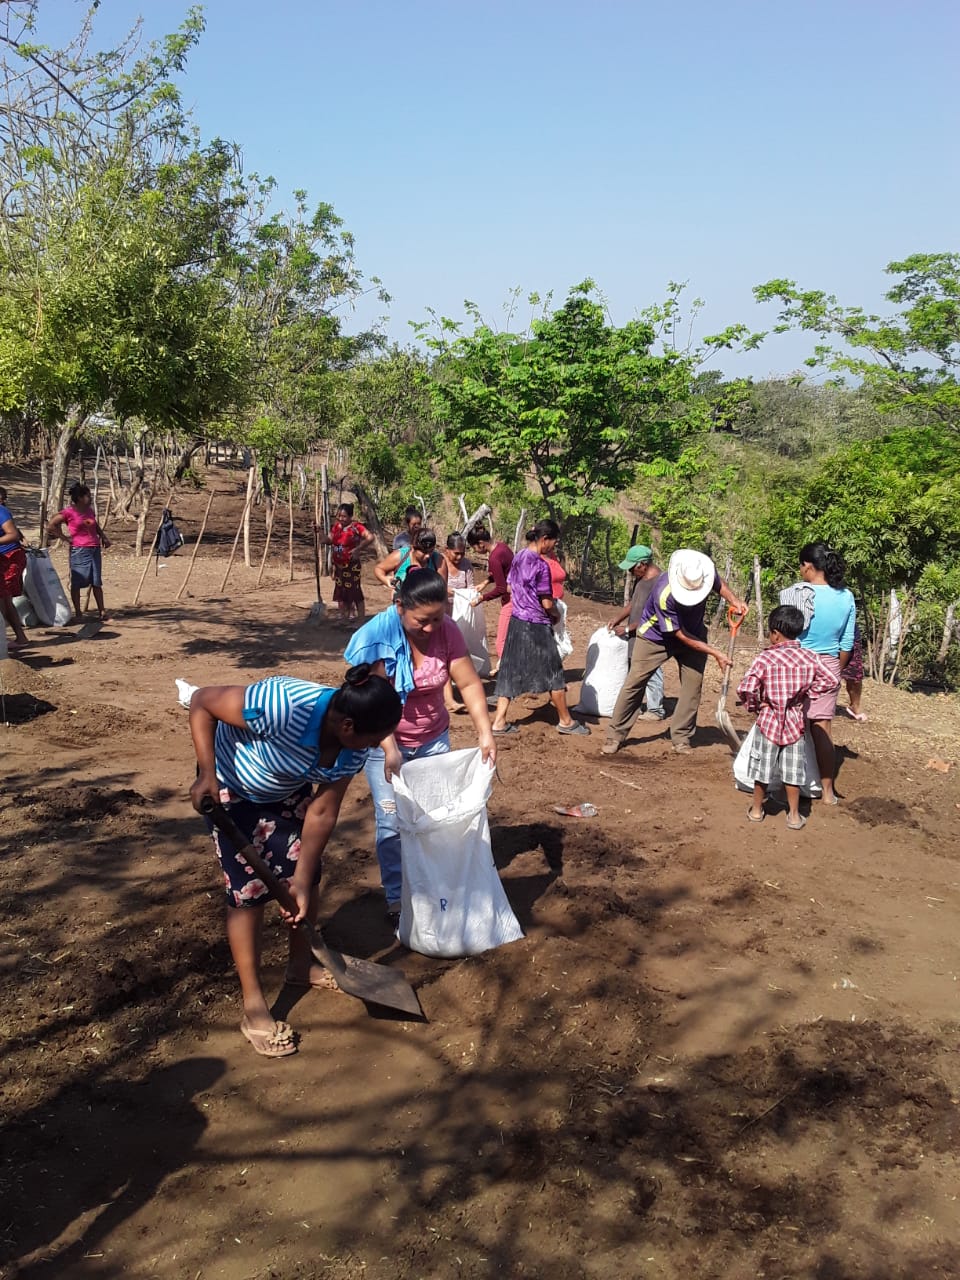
<point>691,575</point>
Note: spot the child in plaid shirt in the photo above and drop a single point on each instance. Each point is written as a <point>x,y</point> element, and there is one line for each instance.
<point>776,688</point>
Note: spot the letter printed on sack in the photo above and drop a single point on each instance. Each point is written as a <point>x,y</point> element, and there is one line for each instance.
<point>443,904</point>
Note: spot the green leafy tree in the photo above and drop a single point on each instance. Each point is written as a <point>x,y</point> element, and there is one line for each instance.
<point>891,506</point>
<point>291,276</point>
<point>910,360</point>
<point>574,403</point>
<point>114,225</point>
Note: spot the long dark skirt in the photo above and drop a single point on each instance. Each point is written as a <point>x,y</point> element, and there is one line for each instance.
<point>530,661</point>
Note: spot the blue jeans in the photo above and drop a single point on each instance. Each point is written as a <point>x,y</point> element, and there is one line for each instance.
<point>654,691</point>
<point>385,810</point>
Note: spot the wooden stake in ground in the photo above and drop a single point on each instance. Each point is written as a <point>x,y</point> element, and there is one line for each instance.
<point>290,538</point>
<point>325,517</point>
<point>251,478</point>
<point>196,548</point>
<point>136,594</point>
<point>236,542</point>
<point>266,545</point>
<point>758,599</point>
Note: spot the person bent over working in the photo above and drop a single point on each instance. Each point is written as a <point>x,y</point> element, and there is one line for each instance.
<point>672,626</point>
<point>776,688</point>
<point>261,749</point>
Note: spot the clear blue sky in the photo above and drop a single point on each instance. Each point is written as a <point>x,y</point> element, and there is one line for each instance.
<point>474,147</point>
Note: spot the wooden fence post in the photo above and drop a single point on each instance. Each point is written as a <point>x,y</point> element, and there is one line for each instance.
<point>290,537</point>
<point>266,545</point>
<point>519,530</point>
<point>136,594</point>
<point>758,598</point>
<point>251,477</point>
<point>628,576</point>
<point>196,548</point>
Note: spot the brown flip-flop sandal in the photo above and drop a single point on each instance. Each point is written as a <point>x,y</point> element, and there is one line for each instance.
<point>277,1043</point>
<point>327,983</point>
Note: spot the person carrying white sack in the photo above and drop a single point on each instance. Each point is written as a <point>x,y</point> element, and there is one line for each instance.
<point>638,562</point>
<point>418,648</point>
<point>673,625</point>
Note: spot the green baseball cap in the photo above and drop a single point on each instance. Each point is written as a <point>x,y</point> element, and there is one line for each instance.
<point>636,555</point>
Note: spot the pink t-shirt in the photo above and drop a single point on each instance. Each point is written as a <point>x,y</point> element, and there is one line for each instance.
<point>424,715</point>
<point>81,526</point>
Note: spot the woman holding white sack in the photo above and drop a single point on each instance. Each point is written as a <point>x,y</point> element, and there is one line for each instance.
<point>418,648</point>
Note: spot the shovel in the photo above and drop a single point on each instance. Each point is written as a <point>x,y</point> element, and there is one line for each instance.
<point>361,978</point>
<point>318,608</point>
<point>723,715</point>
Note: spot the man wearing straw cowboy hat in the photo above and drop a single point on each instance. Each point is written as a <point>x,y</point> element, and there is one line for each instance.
<point>673,625</point>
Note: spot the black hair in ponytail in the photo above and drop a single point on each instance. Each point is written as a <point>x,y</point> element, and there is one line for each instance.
<point>544,529</point>
<point>370,701</point>
<point>825,560</point>
<point>422,587</point>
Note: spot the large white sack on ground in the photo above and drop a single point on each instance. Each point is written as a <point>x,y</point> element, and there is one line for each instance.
<point>810,787</point>
<point>452,902</point>
<point>28,615</point>
<point>473,628</point>
<point>561,632</point>
<point>44,590</point>
<point>604,674</point>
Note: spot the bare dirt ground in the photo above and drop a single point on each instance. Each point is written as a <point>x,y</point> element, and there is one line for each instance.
<point>720,1050</point>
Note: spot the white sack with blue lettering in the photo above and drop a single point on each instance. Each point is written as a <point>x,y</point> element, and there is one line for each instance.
<point>452,902</point>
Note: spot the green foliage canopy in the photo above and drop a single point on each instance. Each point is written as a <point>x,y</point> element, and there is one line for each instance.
<point>575,403</point>
<point>908,360</point>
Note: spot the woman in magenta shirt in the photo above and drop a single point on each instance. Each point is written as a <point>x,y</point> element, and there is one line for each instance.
<point>418,648</point>
<point>78,525</point>
<point>530,661</point>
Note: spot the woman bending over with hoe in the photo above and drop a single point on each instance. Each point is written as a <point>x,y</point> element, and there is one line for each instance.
<point>279,756</point>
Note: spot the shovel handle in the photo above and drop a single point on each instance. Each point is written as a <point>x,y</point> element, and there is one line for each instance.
<point>734,620</point>
<point>223,822</point>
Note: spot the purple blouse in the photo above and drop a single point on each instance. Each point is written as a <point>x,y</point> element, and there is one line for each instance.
<point>529,579</point>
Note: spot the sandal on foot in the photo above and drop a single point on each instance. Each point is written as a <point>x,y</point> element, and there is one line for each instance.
<point>576,730</point>
<point>833,800</point>
<point>798,825</point>
<point>507,729</point>
<point>276,1043</point>
<point>751,818</point>
<point>326,982</point>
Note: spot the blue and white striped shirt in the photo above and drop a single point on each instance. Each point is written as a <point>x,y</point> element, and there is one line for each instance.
<point>280,748</point>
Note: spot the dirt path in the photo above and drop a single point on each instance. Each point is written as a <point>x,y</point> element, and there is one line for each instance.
<point>720,1050</point>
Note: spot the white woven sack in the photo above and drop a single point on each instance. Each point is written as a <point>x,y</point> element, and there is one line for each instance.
<point>561,632</point>
<point>810,787</point>
<point>42,587</point>
<point>452,902</point>
<point>472,623</point>
<point>604,674</point>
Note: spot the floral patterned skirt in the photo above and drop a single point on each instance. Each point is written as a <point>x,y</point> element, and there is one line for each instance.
<point>346,584</point>
<point>273,830</point>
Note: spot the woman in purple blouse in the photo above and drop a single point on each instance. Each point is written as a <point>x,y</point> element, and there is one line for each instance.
<point>530,661</point>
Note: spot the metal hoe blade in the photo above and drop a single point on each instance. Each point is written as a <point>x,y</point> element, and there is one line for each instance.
<point>367,981</point>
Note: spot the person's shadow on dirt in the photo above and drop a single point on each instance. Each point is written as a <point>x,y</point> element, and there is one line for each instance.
<point>101,1156</point>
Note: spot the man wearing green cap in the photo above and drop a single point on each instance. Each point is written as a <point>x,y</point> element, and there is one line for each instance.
<point>638,562</point>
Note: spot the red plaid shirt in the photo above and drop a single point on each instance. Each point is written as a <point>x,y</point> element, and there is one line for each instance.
<point>776,685</point>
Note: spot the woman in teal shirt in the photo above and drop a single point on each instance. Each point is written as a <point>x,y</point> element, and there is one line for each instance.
<point>830,614</point>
